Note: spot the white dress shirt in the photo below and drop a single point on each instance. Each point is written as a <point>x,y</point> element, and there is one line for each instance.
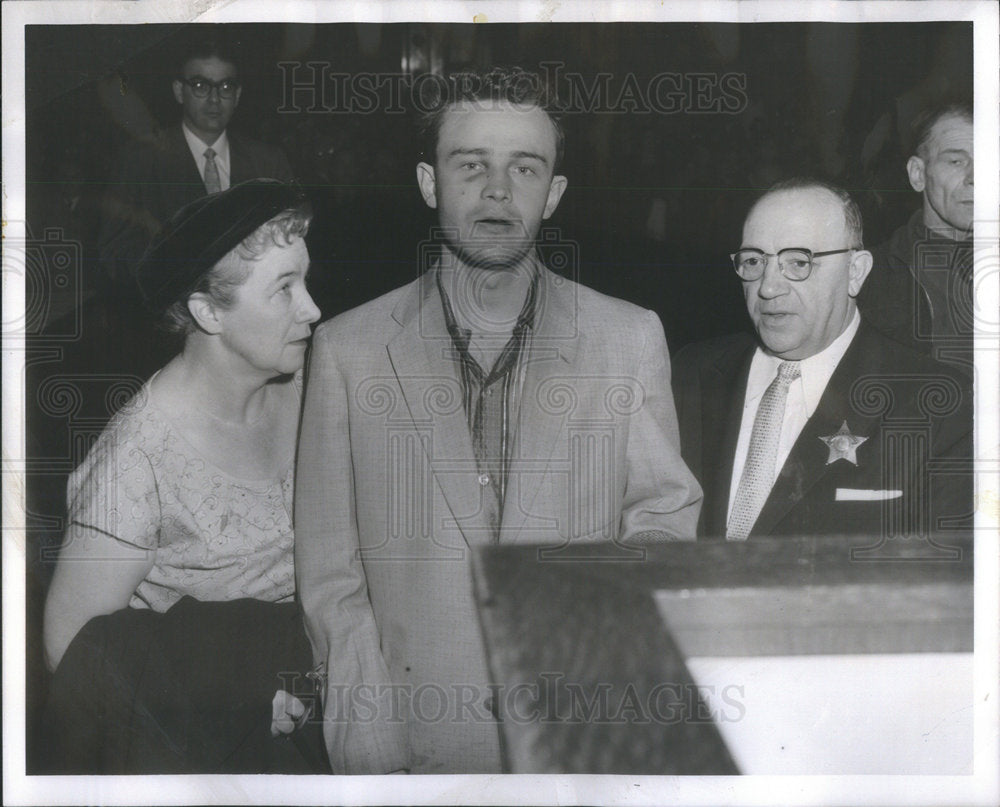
<point>221,149</point>
<point>803,398</point>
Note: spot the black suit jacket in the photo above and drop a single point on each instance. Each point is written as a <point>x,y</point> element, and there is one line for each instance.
<point>915,413</point>
<point>152,181</point>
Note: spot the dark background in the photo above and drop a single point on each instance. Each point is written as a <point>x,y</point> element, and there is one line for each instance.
<point>654,205</point>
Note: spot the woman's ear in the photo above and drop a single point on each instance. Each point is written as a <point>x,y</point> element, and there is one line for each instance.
<point>204,312</point>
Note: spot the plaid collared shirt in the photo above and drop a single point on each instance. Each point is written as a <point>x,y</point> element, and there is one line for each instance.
<point>492,399</point>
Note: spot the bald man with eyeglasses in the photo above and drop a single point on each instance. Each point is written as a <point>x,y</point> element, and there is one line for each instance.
<point>819,425</point>
<point>199,155</point>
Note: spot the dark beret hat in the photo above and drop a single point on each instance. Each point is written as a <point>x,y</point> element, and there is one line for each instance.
<point>203,232</point>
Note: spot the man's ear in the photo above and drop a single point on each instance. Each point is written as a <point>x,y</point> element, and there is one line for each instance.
<point>204,312</point>
<point>861,265</point>
<point>178,91</point>
<point>556,189</point>
<point>915,170</point>
<point>236,100</point>
<point>428,183</point>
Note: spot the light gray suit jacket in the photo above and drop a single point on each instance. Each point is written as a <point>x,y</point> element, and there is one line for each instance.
<point>388,504</point>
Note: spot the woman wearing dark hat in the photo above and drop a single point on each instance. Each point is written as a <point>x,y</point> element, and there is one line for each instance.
<point>171,617</point>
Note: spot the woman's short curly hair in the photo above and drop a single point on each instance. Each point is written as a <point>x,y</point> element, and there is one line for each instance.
<point>231,271</point>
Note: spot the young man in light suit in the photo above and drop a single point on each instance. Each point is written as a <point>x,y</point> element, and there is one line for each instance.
<point>490,401</point>
<point>821,425</point>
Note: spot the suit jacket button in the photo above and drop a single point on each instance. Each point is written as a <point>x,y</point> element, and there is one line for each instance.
<point>484,479</point>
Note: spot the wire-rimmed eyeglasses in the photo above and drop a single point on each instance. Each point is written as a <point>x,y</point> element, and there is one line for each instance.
<point>202,87</point>
<point>795,263</point>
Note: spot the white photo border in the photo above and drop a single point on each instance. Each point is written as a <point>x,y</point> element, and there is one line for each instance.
<point>980,788</point>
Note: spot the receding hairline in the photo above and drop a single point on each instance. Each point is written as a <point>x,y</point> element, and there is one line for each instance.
<point>823,192</point>
<point>934,131</point>
<point>926,122</point>
<point>770,194</point>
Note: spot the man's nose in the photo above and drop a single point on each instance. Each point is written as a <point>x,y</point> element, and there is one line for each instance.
<point>497,186</point>
<point>772,282</point>
<point>970,172</point>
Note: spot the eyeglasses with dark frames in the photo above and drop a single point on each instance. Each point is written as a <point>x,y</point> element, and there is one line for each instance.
<point>795,263</point>
<point>202,87</point>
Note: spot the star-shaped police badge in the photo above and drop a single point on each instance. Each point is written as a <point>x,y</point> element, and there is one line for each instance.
<point>843,445</point>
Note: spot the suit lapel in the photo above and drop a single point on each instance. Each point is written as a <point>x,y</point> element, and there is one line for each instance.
<point>185,168</point>
<point>807,462</point>
<point>555,347</point>
<point>420,359</point>
<point>239,162</point>
<point>724,388</point>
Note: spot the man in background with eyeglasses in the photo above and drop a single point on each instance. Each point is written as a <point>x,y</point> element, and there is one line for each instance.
<point>820,425</point>
<point>152,180</point>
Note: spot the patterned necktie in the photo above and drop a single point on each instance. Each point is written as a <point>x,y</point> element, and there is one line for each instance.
<point>213,184</point>
<point>758,472</point>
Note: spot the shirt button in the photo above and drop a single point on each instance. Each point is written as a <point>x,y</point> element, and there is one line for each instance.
<point>484,479</point>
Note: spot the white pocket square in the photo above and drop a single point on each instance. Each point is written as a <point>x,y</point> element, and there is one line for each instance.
<point>857,495</point>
